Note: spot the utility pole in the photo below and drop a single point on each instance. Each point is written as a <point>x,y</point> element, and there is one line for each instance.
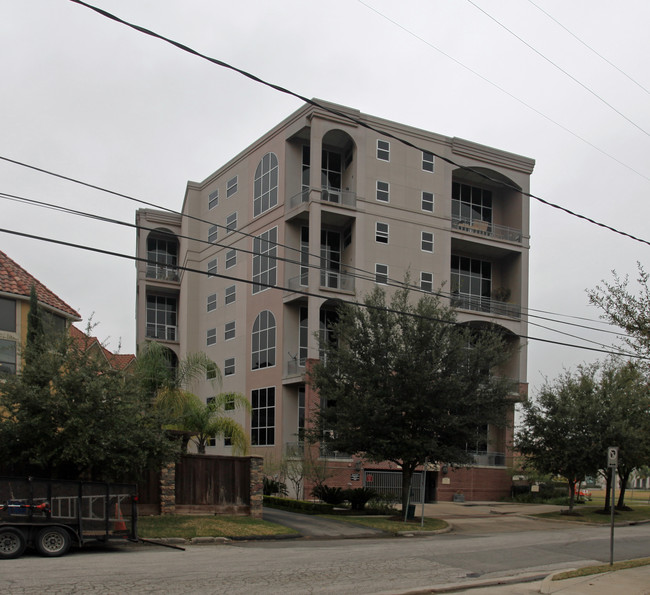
<point>612,462</point>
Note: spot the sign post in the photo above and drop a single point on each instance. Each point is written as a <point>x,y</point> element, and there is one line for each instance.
<point>612,462</point>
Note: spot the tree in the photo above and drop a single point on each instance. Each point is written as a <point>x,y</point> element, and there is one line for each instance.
<point>69,414</point>
<point>406,383</point>
<point>559,432</point>
<point>185,413</point>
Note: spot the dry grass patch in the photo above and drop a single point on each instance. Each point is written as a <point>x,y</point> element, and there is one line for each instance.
<point>588,570</point>
<point>188,526</point>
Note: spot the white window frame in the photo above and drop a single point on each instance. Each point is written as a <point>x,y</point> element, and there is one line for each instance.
<point>264,341</point>
<point>428,161</point>
<point>229,366</point>
<point>426,280</point>
<point>425,241</point>
<point>428,198</point>
<point>231,222</point>
<point>231,294</point>
<point>212,267</point>
<point>231,258</point>
<point>381,192</point>
<point>265,193</point>
<point>213,199</point>
<point>265,250</point>
<point>229,331</point>
<point>383,150</point>
<point>381,274</point>
<point>211,336</point>
<point>211,303</point>
<point>231,186</point>
<point>382,235</point>
<point>213,233</point>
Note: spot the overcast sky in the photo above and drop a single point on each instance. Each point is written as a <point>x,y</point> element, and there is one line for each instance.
<point>91,99</point>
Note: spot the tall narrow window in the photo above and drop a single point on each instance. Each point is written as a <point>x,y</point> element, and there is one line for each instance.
<point>301,411</point>
<point>229,366</point>
<point>332,176</point>
<point>381,232</point>
<point>303,336</point>
<point>304,256</point>
<point>471,283</point>
<point>426,281</point>
<point>213,233</point>
<point>266,184</point>
<point>263,341</point>
<point>231,258</point>
<point>212,267</point>
<point>231,187</point>
<point>230,294</point>
<point>161,317</point>
<point>381,273</point>
<point>213,199</point>
<point>427,202</point>
<point>162,256</point>
<point>427,161</point>
<point>7,315</point>
<point>383,150</point>
<point>211,302</point>
<point>330,255</point>
<point>211,336</point>
<point>7,357</point>
<point>231,222</point>
<point>383,191</point>
<point>265,263</point>
<point>263,417</point>
<point>229,330</point>
<point>427,241</point>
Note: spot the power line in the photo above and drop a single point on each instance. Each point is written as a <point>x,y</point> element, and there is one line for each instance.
<point>300,292</point>
<point>558,67</point>
<point>625,74</point>
<point>355,120</point>
<point>506,92</point>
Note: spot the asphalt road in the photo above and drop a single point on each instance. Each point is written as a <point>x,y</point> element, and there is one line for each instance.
<point>354,566</point>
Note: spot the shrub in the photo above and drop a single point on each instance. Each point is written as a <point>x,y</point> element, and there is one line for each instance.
<point>301,505</point>
<point>358,497</point>
<point>273,486</point>
<point>382,503</point>
<point>334,496</point>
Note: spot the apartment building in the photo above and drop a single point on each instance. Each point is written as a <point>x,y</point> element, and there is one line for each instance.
<point>321,208</point>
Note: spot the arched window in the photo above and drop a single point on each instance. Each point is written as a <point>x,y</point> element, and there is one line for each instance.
<point>266,184</point>
<point>263,350</point>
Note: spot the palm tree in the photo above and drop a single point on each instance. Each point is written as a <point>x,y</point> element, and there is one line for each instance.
<point>185,413</point>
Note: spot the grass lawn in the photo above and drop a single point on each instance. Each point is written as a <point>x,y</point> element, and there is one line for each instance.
<point>590,514</point>
<point>188,526</point>
<point>391,524</point>
<point>589,570</point>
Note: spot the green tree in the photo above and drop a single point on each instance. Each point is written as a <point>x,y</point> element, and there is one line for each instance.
<point>406,383</point>
<point>69,414</point>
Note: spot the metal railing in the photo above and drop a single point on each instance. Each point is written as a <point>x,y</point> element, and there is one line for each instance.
<point>335,280</point>
<point>162,332</point>
<point>162,273</point>
<point>487,229</point>
<point>295,367</point>
<point>485,458</point>
<point>346,198</point>
<point>483,304</point>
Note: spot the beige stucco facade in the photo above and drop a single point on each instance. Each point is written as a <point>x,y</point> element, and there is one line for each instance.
<point>338,207</point>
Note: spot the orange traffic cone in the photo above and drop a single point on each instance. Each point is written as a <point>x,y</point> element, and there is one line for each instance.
<point>119,524</point>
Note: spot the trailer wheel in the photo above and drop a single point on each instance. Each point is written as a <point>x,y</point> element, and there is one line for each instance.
<point>53,541</point>
<point>12,543</point>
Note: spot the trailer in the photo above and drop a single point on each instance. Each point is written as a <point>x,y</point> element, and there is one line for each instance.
<point>53,515</point>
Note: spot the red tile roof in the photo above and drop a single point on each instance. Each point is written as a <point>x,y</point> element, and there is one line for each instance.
<point>119,361</point>
<point>16,280</point>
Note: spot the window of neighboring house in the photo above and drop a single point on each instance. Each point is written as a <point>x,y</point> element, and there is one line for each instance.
<point>212,267</point>
<point>263,416</point>
<point>263,341</point>
<point>7,315</point>
<point>212,302</point>
<point>231,187</point>
<point>426,281</point>
<point>427,201</point>
<point>231,294</point>
<point>381,273</point>
<point>427,241</point>
<point>381,232</point>
<point>383,191</point>
<point>229,332</point>
<point>7,357</point>
<point>428,161</point>
<point>211,373</point>
<point>161,317</point>
<point>211,336</point>
<point>383,150</point>
<point>231,258</point>
<point>266,184</point>
<point>213,233</point>
<point>213,199</point>
<point>229,366</point>
<point>265,265</point>
<point>231,222</point>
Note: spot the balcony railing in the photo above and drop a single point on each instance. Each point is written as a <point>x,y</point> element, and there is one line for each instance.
<point>294,450</point>
<point>483,304</point>
<point>162,273</point>
<point>162,332</point>
<point>489,459</point>
<point>335,280</point>
<point>487,229</point>
<point>346,198</point>
<point>295,367</point>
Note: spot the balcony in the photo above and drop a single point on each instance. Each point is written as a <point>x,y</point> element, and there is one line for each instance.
<point>487,305</point>
<point>162,273</point>
<point>330,279</point>
<point>161,332</point>
<point>487,229</point>
<point>488,459</point>
<point>294,450</point>
<point>347,198</point>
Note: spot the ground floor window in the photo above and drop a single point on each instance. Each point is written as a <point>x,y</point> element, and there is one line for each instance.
<point>263,417</point>
<point>7,356</point>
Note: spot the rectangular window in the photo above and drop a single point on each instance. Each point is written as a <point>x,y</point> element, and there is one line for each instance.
<point>381,232</point>
<point>211,336</point>
<point>229,366</point>
<point>213,233</point>
<point>231,187</point>
<point>231,294</point>
<point>427,161</point>
<point>211,374</point>
<point>213,199</point>
<point>212,267</point>
<point>381,273</point>
<point>231,258</point>
<point>229,405</point>
<point>470,204</point>
<point>229,332</point>
<point>161,317</point>
<point>7,315</point>
<point>383,191</point>
<point>427,202</point>
<point>427,241</point>
<point>7,357</point>
<point>471,283</point>
<point>303,335</point>
<point>212,302</point>
<point>263,417</point>
<point>231,222</point>
<point>265,265</point>
<point>383,150</point>
<point>426,281</point>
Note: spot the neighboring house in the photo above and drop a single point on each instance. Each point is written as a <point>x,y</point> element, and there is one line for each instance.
<point>324,208</point>
<point>118,361</point>
<point>15,287</point>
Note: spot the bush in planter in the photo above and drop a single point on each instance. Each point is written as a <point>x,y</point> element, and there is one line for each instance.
<point>382,503</point>
<point>329,495</point>
<point>358,497</point>
<point>298,505</point>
